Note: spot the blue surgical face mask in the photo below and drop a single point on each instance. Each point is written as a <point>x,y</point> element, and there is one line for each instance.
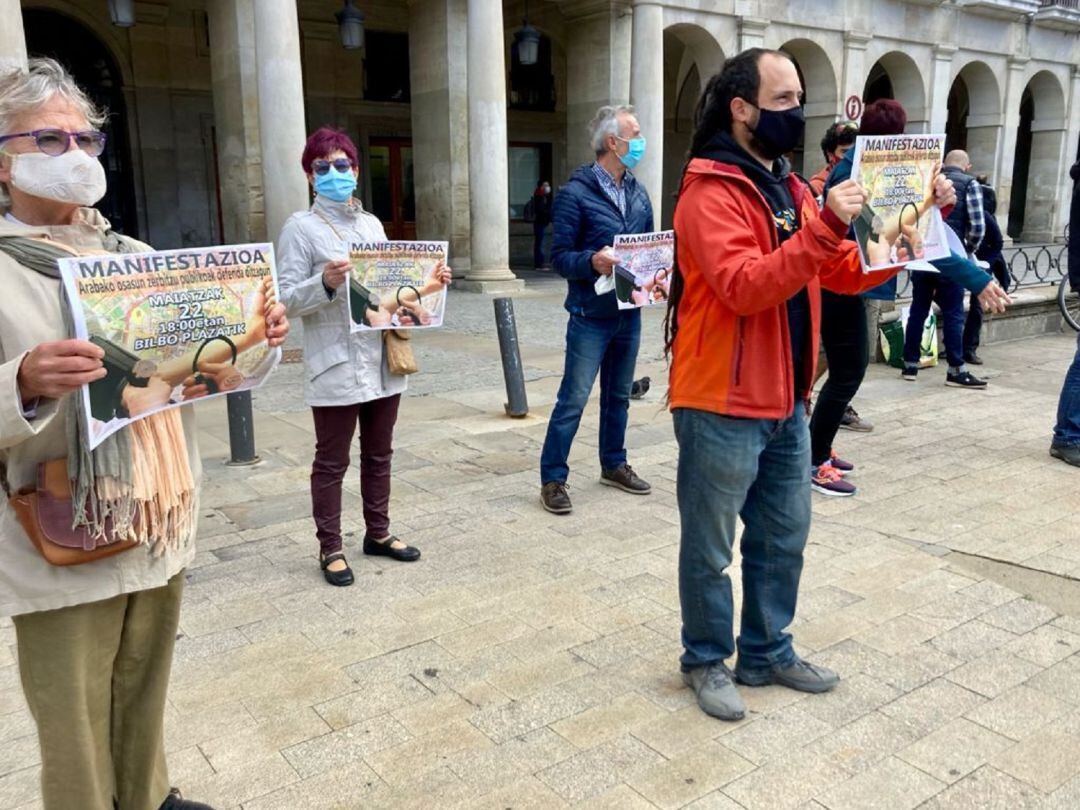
<point>634,153</point>
<point>335,185</point>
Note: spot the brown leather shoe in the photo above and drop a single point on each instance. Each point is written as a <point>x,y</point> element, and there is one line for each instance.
<point>555,498</point>
<point>626,479</point>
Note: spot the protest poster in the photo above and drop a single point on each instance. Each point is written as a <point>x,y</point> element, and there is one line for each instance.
<point>643,274</point>
<point>899,222</point>
<point>396,285</point>
<point>175,326</point>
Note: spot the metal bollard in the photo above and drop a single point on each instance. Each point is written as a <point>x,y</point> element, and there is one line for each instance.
<point>513,373</point>
<point>241,430</point>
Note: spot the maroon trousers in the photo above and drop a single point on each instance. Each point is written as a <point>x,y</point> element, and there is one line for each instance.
<point>334,430</point>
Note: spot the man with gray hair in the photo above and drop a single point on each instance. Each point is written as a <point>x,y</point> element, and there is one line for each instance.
<point>602,199</point>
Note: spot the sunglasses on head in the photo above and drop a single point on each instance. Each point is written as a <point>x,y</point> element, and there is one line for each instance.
<point>322,166</point>
<point>55,142</point>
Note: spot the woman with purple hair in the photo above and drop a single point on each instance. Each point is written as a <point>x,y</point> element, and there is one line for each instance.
<point>347,381</point>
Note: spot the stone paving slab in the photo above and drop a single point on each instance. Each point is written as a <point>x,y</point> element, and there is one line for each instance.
<point>530,660</point>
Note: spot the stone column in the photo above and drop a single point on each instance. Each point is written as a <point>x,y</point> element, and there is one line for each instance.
<point>855,67</point>
<point>12,39</point>
<point>647,95</point>
<point>236,118</point>
<point>440,124</point>
<point>489,192</point>
<point>1069,154</point>
<point>1014,90</point>
<point>282,129</point>
<point>940,84</point>
<point>752,32</point>
<point>598,46</point>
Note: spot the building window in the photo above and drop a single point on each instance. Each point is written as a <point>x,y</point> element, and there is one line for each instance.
<point>532,87</point>
<point>386,66</point>
<point>529,163</point>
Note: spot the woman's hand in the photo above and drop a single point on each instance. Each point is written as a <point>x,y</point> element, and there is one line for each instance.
<point>443,274</point>
<point>225,377</point>
<point>53,370</point>
<point>154,395</point>
<point>993,298</point>
<point>878,252</point>
<point>268,322</point>
<point>335,272</point>
<point>913,238</point>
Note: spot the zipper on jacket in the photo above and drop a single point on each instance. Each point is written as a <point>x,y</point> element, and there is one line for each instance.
<point>739,350</point>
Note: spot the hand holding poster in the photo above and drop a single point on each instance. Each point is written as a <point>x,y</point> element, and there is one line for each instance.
<point>899,222</point>
<point>397,285</point>
<point>643,274</point>
<point>175,326</point>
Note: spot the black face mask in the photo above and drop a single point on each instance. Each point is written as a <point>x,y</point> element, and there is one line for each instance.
<point>779,131</point>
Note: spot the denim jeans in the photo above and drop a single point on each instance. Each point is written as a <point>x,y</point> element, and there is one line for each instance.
<point>607,346</point>
<point>1067,430</point>
<point>539,232</point>
<point>927,287</point>
<point>755,469</point>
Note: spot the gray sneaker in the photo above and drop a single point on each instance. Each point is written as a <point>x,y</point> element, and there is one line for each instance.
<point>717,696</point>
<point>799,675</point>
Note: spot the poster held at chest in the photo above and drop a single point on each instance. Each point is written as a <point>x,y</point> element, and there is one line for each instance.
<point>899,222</point>
<point>396,285</point>
<point>643,274</point>
<point>175,326</point>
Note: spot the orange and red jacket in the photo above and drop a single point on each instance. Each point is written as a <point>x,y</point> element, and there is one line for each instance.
<point>732,350</point>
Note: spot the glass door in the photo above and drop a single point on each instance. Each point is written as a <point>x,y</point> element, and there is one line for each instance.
<point>393,200</point>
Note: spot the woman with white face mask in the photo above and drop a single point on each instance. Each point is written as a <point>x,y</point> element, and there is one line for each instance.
<point>95,639</point>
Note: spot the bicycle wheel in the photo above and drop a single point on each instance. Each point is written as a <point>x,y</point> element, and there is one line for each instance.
<point>1069,304</point>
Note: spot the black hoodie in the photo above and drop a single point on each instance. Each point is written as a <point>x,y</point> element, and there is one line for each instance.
<point>774,187</point>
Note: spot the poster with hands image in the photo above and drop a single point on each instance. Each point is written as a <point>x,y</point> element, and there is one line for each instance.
<point>174,326</point>
<point>899,222</point>
<point>642,276</point>
<point>396,284</point>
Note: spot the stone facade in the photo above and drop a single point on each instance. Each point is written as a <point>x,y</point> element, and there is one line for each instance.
<point>998,75</point>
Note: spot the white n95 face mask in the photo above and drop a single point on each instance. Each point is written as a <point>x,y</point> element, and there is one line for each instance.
<point>73,177</point>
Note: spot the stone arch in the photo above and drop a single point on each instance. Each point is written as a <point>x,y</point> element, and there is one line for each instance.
<point>691,56</point>
<point>974,115</point>
<point>896,75</point>
<point>1040,139</point>
<point>96,67</point>
<point>822,99</point>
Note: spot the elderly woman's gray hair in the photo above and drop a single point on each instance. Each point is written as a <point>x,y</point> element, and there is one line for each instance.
<point>25,89</point>
<point>604,123</point>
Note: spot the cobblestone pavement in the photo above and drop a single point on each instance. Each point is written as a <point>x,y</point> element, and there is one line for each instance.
<point>530,661</point>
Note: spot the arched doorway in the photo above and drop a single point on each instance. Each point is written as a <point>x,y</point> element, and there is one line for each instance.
<point>50,33</point>
<point>691,57</point>
<point>974,121</point>
<point>1039,140</point>
<point>820,101</point>
<point>896,75</point>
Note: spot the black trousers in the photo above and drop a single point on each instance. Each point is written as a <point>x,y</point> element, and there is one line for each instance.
<point>843,334</point>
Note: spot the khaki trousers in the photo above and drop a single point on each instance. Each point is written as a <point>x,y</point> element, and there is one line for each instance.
<point>95,677</point>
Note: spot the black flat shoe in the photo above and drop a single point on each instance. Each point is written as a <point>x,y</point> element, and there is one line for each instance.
<point>374,548</point>
<point>174,801</point>
<point>338,578</point>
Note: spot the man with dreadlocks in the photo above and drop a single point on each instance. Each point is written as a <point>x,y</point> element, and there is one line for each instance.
<point>753,252</point>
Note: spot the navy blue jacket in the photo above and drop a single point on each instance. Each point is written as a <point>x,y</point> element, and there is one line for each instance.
<point>585,221</point>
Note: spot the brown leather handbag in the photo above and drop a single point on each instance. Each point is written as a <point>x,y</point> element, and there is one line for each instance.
<point>45,514</point>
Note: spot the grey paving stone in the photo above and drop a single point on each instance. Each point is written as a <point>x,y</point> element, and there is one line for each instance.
<point>889,785</point>
<point>987,789</point>
<point>594,771</point>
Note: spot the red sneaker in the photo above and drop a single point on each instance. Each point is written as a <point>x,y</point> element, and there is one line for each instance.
<point>841,466</point>
<point>827,480</point>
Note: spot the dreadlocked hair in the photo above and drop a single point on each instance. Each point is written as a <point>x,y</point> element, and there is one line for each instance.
<point>739,78</point>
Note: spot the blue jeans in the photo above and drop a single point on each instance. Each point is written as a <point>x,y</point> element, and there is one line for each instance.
<point>1067,430</point>
<point>607,346</point>
<point>757,469</point>
<point>927,287</point>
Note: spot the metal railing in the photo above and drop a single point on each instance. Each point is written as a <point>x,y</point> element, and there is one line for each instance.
<point>1073,4</point>
<point>1030,264</point>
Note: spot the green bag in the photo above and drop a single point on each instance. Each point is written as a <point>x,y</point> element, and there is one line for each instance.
<point>892,343</point>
